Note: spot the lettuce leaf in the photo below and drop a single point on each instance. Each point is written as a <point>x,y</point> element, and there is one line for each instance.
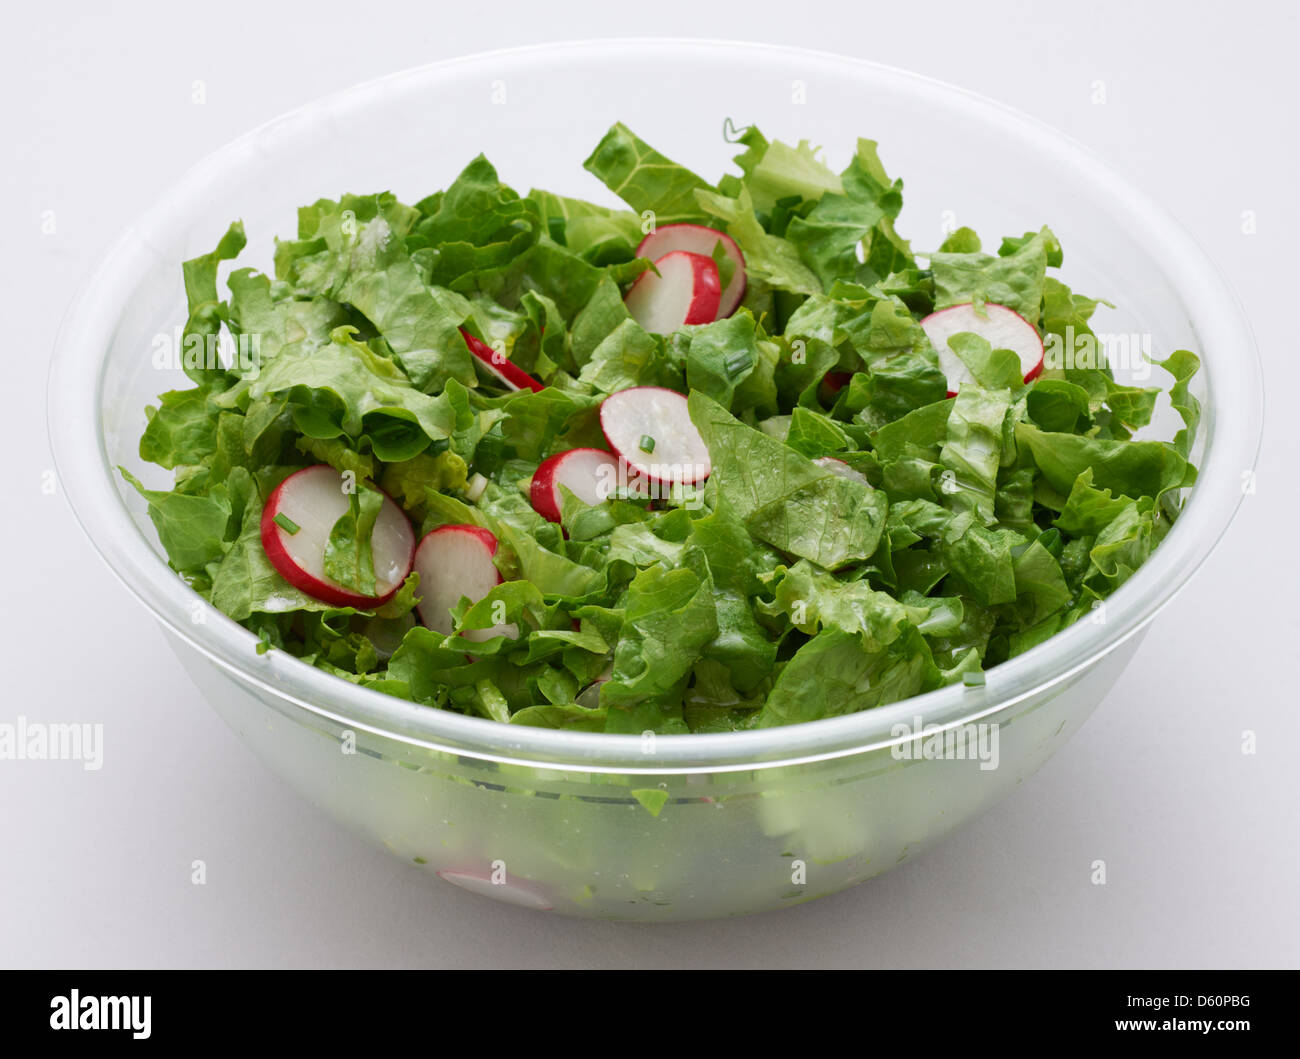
<point>1015,280</point>
<point>645,179</point>
<point>783,498</point>
<point>836,672</point>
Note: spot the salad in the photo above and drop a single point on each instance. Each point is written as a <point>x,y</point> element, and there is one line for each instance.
<point>734,456</point>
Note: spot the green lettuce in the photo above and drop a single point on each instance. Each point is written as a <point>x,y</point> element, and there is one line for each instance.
<point>862,537</point>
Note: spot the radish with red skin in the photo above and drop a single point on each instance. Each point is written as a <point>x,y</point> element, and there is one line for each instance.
<point>510,891</point>
<point>296,525</point>
<point>498,365</point>
<point>1000,327</point>
<point>657,417</point>
<point>685,290</point>
<point>832,383</point>
<point>592,475</point>
<point>455,562</point>
<point>697,239</point>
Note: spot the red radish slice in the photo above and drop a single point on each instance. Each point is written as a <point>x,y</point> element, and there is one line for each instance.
<point>650,429</point>
<point>697,239</point>
<point>456,561</point>
<point>685,291</point>
<point>313,500</point>
<point>1000,327</point>
<point>841,468</point>
<point>510,891</point>
<point>589,474</point>
<point>499,367</point>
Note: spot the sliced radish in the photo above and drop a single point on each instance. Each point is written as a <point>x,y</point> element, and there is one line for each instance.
<point>686,290</point>
<point>296,524</point>
<point>1000,327</point>
<point>650,429</point>
<point>841,468</point>
<point>589,474</point>
<point>455,562</point>
<point>499,367</point>
<point>697,239</point>
<point>510,891</point>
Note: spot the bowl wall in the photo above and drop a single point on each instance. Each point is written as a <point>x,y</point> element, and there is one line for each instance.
<point>653,847</point>
<point>598,825</point>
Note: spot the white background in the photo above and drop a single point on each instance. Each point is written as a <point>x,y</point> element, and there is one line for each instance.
<point>1200,840</point>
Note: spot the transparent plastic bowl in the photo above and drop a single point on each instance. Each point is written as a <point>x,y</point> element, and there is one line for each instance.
<point>672,827</point>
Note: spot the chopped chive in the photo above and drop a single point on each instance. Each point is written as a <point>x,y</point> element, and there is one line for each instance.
<point>647,443</point>
<point>286,523</point>
<point>737,363</point>
<point>973,678</point>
